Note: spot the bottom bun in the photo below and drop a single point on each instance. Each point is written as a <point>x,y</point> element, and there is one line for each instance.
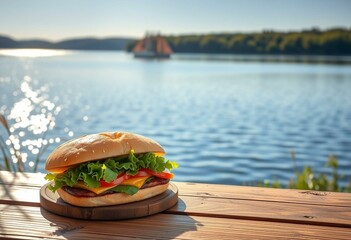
<point>113,198</point>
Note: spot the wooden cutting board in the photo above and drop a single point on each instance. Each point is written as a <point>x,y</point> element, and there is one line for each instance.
<point>53,203</point>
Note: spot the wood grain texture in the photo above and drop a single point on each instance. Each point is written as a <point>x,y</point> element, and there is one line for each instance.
<point>264,194</point>
<point>263,211</point>
<point>204,211</point>
<point>33,223</point>
<point>221,201</point>
<point>215,191</point>
<point>22,179</point>
<point>53,203</point>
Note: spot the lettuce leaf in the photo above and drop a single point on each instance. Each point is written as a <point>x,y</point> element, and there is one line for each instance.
<point>91,173</point>
<point>109,175</point>
<point>130,190</point>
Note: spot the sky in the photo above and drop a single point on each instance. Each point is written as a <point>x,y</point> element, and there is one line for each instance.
<point>61,19</point>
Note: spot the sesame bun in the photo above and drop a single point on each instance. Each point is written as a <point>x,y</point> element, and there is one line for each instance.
<point>113,198</point>
<point>99,146</point>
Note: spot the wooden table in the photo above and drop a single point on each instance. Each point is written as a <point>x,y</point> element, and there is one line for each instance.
<point>204,211</point>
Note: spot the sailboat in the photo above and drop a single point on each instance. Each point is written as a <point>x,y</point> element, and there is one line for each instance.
<point>152,46</point>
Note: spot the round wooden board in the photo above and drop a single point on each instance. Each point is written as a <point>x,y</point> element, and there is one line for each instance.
<point>53,203</point>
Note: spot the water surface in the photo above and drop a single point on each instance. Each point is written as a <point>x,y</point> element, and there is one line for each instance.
<point>223,121</point>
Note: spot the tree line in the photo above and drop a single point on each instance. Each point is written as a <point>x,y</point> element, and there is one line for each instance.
<point>309,42</point>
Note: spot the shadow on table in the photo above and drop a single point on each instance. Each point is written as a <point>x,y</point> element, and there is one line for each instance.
<point>161,226</point>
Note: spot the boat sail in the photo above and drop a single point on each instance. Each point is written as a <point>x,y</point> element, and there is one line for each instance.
<point>152,46</point>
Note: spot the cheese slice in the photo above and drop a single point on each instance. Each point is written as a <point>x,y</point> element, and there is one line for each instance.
<point>97,190</point>
<point>135,181</point>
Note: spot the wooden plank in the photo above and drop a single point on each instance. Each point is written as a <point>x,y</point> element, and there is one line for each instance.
<point>264,194</point>
<point>22,179</point>
<point>33,222</point>
<point>220,207</point>
<point>264,211</point>
<point>216,191</point>
<point>19,195</point>
<point>217,200</point>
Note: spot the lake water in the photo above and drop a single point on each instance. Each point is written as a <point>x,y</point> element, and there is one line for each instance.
<point>224,120</point>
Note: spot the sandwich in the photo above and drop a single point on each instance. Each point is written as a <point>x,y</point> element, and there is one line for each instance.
<point>108,168</point>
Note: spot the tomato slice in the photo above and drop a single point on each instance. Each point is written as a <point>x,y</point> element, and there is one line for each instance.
<point>120,178</point>
<point>141,173</point>
<point>165,175</point>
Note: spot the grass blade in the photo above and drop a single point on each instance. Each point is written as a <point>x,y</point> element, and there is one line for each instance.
<point>38,157</point>
<point>4,123</point>
<point>6,159</point>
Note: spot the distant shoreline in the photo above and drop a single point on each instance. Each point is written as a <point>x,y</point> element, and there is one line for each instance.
<point>332,42</point>
<point>308,59</point>
<point>262,58</point>
<point>71,44</point>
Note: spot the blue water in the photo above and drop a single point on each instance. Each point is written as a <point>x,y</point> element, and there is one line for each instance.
<point>228,122</point>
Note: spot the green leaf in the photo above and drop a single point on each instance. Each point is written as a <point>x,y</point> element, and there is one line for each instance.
<point>171,165</point>
<point>50,176</point>
<point>95,170</point>
<point>111,164</point>
<point>109,175</point>
<point>130,190</point>
<point>56,186</point>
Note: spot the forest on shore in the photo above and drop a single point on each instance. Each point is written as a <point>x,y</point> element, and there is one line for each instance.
<point>311,42</point>
<point>307,42</point>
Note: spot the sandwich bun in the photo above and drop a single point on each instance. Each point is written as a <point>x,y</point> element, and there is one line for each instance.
<point>99,146</point>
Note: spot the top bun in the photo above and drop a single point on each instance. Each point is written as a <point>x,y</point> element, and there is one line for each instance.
<point>99,146</point>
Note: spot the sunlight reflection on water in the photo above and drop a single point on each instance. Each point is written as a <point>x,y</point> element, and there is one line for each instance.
<point>30,118</point>
<point>33,53</point>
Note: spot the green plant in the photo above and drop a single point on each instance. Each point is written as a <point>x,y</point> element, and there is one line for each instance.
<point>309,180</point>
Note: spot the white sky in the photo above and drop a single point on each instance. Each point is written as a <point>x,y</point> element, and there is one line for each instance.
<point>60,19</point>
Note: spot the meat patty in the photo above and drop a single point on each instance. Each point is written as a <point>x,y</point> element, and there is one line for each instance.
<point>154,182</point>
